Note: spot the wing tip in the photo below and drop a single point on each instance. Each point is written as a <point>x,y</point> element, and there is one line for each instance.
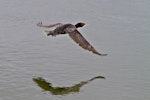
<point>100,54</point>
<point>103,54</point>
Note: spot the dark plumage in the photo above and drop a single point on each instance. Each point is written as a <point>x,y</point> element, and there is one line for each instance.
<point>73,33</point>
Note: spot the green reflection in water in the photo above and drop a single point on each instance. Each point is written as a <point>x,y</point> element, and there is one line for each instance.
<point>46,86</point>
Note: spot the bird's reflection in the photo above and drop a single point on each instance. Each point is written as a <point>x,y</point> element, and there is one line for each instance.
<point>46,86</point>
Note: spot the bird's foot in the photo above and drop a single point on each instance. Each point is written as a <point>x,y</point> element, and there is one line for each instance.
<point>39,24</point>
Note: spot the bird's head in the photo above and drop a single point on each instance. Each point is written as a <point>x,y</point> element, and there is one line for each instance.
<point>80,24</point>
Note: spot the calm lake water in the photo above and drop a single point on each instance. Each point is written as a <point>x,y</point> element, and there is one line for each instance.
<point>36,67</point>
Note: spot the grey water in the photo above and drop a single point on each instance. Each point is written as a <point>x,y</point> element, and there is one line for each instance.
<point>32,65</point>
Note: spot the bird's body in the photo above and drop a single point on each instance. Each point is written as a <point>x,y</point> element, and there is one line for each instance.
<point>73,33</point>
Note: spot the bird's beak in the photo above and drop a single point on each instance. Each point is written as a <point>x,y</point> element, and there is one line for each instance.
<point>85,24</point>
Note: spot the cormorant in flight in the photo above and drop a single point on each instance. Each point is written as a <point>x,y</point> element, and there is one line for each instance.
<point>73,33</point>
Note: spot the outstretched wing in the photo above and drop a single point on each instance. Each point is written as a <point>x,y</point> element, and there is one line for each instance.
<point>79,39</point>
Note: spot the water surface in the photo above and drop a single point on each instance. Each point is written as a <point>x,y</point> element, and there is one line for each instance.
<point>119,28</point>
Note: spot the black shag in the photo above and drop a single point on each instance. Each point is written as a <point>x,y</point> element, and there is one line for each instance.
<point>73,33</point>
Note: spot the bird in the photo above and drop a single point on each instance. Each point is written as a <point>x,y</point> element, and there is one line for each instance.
<point>72,31</point>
